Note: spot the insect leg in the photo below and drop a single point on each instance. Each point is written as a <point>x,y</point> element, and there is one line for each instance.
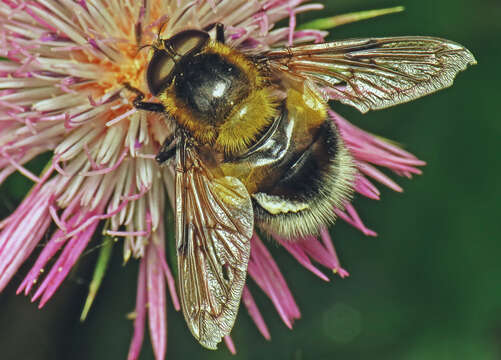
<point>168,149</point>
<point>220,33</point>
<point>143,105</point>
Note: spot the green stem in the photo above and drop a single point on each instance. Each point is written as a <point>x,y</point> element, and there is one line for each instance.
<point>338,20</point>
<point>101,266</point>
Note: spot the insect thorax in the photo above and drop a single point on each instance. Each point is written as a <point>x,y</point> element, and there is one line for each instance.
<point>220,98</point>
<point>211,87</point>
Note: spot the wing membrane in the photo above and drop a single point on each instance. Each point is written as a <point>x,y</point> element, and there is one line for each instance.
<point>214,224</point>
<point>375,73</point>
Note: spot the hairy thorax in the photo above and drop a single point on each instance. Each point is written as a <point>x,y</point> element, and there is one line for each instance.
<point>221,98</point>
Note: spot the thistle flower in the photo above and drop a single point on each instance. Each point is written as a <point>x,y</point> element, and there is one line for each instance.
<point>61,90</point>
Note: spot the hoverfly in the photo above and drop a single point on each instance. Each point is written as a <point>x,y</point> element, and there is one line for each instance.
<point>253,144</point>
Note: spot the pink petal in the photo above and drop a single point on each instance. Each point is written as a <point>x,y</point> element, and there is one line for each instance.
<point>350,215</point>
<point>319,253</point>
<point>366,188</point>
<point>157,314</point>
<point>366,147</point>
<point>230,345</point>
<point>22,232</point>
<point>265,272</point>
<point>170,279</point>
<point>53,246</point>
<point>296,249</point>
<point>64,263</point>
<point>254,313</point>
<point>379,176</point>
<point>326,239</point>
<point>139,321</point>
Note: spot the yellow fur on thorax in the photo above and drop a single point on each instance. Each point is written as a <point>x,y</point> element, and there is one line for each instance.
<point>244,123</point>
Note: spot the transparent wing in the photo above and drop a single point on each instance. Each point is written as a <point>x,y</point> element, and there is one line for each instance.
<point>214,224</point>
<point>375,73</point>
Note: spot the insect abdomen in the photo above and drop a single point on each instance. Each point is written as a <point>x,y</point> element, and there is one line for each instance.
<point>317,180</point>
<point>298,171</point>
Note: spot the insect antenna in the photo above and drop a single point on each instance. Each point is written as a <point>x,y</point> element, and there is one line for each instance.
<point>161,28</point>
<point>141,48</point>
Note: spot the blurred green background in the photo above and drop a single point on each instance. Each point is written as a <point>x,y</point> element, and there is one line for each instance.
<point>427,288</point>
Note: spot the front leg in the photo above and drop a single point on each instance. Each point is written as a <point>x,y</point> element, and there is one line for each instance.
<point>168,149</point>
<point>144,105</point>
<point>219,31</point>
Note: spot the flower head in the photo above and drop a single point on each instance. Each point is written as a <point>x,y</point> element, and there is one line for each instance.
<point>62,90</point>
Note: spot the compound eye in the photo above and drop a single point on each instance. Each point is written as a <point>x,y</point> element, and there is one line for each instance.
<point>161,69</point>
<point>187,42</point>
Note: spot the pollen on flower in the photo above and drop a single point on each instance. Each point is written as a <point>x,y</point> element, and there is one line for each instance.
<point>129,68</point>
